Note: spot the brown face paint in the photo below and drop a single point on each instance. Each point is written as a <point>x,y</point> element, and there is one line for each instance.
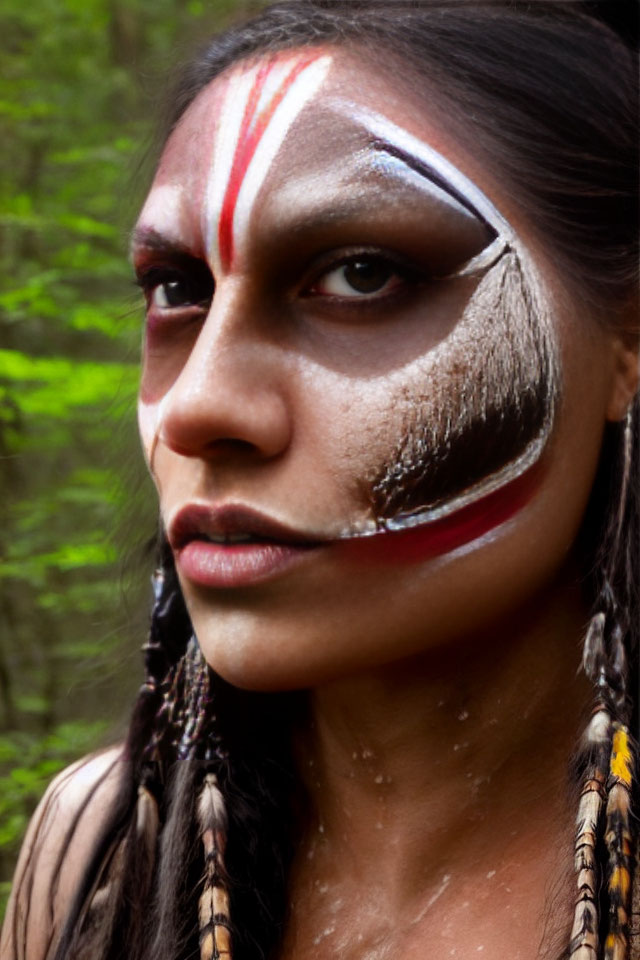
<point>487,414</point>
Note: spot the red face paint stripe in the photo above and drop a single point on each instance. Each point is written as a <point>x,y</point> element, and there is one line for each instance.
<point>442,536</point>
<point>251,132</point>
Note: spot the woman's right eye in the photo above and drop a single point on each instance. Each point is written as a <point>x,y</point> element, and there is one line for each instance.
<point>172,293</point>
<point>177,290</point>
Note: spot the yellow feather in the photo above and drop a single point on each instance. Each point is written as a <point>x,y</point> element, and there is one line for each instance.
<point>621,756</point>
<point>620,880</point>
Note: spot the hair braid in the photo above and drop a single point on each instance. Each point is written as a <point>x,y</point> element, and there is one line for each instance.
<point>121,871</point>
<point>604,830</point>
<point>208,766</point>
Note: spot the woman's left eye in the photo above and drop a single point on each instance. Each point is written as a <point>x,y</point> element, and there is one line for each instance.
<point>360,278</point>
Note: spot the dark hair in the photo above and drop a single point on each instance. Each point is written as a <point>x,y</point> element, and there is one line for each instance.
<point>547,92</point>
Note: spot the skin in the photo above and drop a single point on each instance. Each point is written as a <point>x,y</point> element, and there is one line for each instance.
<point>443,689</point>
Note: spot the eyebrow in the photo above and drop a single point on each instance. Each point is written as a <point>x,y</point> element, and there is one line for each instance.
<point>151,239</point>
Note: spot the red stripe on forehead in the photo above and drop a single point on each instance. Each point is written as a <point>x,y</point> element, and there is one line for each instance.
<point>252,130</point>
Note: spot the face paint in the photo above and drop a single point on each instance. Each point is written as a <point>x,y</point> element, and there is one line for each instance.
<point>260,106</point>
<point>483,426</point>
<point>419,156</point>
<point>470,454</point>
<point>449,442</point>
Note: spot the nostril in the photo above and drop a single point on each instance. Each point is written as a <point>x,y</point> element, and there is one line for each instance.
<point>231,447</point>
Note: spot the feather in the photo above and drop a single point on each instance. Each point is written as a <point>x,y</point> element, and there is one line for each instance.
<point>147,821</point>
<point>618,840</point>
<point>213,906</point>
<point>584,933</point>
<point>593,656</point>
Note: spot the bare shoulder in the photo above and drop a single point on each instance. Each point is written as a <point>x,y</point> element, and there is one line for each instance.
<point>56,850</point>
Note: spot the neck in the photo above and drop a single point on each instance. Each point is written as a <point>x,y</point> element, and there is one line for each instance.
<point>439,777</point>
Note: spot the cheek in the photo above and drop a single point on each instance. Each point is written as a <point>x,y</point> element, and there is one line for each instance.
<point>469,416</point>
<point>168,344</point>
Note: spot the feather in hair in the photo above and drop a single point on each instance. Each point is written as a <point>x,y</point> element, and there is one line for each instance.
<point>618,840</point>
<point>213,906</point>
<point>584,933</point>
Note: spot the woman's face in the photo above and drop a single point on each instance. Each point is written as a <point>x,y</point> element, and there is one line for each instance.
<point>371,408</point>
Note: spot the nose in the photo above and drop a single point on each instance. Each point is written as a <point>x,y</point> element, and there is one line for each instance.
<point>231,393</point>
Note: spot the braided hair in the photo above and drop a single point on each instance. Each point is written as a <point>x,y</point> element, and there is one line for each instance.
<point>195,855</point>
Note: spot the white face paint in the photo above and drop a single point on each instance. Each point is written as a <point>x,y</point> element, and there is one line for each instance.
<point>402,153</point>
<point>388,135</point>
<point>261,103</point>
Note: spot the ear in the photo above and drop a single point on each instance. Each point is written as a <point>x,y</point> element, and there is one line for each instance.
<point>625,378</point>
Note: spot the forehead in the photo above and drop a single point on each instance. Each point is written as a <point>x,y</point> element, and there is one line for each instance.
<point>348,78</point>
<point>297,125</point>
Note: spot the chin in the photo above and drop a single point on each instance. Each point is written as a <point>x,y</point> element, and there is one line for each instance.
<point>253,660</point>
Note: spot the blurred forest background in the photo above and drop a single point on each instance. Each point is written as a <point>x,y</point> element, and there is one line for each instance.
<point>81,82</point>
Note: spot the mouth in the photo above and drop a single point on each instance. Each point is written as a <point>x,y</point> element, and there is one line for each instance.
<point>231,525</point>
<point>233,545</point>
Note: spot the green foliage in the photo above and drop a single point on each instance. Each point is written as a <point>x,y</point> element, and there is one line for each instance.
<point>75,97</point>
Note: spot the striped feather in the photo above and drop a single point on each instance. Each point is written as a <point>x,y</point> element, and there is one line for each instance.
<point>584,933</point>
<point>213,906</point>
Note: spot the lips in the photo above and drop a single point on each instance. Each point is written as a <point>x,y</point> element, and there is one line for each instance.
<point>233,546</point>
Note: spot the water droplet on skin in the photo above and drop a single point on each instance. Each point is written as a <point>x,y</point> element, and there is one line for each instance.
<point>367,754</point>
<point>321,828</point>
<point>378,825</point>
<point>463,715</point>
<point>491,874</point>
<point>354,756</point>
<point>379,779</point>
<point>323,887</point>
<point>481,947</point>
<point>325,933</point>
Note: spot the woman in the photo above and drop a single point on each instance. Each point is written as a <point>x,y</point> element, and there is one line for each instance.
<point>389,404</point>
